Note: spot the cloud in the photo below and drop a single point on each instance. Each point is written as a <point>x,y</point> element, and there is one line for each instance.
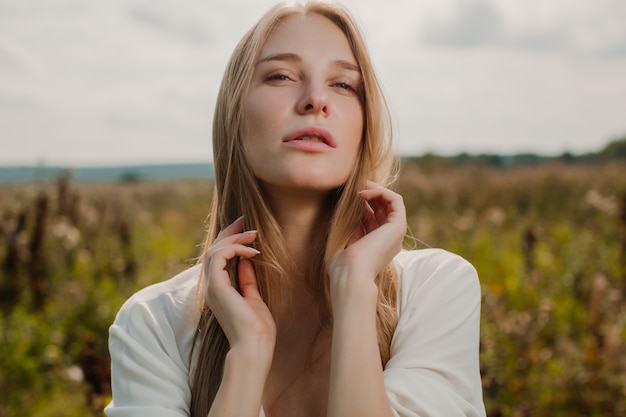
<point>473,23</point>
<point>135,80</point>
<point>593,29</point>
<point>615,50</point>
<point>180,26</point>
<point>16,60</point>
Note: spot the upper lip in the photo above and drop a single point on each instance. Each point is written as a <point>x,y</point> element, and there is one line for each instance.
<point>316,131</point>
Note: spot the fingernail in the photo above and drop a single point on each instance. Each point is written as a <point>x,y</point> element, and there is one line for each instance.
<point>250,231</point>
<point>254,250</point>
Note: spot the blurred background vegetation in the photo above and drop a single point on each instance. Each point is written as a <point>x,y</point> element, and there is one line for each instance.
<point>547,236</point>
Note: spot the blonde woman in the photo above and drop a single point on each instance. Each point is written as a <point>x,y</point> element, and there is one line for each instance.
<point>304,303</point>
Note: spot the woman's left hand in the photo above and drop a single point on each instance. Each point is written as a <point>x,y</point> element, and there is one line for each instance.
<point>379,239</point>
<point>354,294</point>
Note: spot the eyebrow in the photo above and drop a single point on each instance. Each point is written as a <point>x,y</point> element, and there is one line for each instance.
<point>279,57</point>
<point>288,56</point>
<point>347,65</point>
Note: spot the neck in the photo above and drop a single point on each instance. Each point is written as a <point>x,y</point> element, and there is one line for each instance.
<point>299,215</point>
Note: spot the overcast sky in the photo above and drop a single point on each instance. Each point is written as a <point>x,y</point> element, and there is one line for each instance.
<point>134,81</point>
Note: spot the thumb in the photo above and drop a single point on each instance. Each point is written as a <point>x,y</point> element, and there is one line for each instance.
<point>247,279</point>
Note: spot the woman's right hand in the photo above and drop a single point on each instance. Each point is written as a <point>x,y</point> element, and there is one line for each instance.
<point>244,317</point>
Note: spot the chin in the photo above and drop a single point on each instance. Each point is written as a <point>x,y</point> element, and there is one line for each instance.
<point>302,177</point>
<point>303,184</point>
<point>320,182</point>
<point>316,186</point>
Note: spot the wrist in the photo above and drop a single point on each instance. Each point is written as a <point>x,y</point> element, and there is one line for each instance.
<point>243,373</point>
<point>353,290</point>
<point>250,361</point>
<point>251,355</point>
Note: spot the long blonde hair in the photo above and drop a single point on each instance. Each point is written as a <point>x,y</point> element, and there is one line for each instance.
<point>237,192</point>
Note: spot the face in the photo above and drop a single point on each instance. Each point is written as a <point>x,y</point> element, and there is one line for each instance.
<point>304,118</point>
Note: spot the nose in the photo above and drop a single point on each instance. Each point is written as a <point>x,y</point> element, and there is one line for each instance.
<point>314,99</point>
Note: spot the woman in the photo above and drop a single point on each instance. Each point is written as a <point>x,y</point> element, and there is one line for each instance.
<point>304,303</point>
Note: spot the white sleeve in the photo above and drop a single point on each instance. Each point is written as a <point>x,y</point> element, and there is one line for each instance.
<point>148,375</point>
<point>434,365</point>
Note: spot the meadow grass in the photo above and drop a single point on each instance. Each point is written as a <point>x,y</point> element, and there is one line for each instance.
<point>549,244</point>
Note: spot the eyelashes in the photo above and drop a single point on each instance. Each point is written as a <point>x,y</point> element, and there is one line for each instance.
<point>278,77</point>
<point>343,85</point>
<point>347,86</point>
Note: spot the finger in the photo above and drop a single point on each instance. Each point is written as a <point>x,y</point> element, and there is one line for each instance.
<point>220,257</point>
<point>370,221</point>
<point>380,209</point>
<point>374,192</point>
<point>244,238</point>
<point>247,280</point>
<point>358,233</point>
<point>234,227</point>
<point>383,204</point>
<point>383,200</point>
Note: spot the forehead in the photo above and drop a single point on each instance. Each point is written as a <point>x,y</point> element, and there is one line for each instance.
<point>310,35</point>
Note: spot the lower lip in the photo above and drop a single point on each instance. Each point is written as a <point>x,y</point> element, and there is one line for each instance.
<point>308,146</point>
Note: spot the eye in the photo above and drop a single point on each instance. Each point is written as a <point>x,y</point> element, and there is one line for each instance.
<point>347,87</point>
<point>278,77</point>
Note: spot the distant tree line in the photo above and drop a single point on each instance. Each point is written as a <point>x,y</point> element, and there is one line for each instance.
<point>613,152</point>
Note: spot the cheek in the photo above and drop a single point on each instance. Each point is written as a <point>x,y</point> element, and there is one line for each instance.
<point>255,125</point>
<point>356,133</point>
<point>263,116</point>
<point>357,139</point>
<point>253,115</point>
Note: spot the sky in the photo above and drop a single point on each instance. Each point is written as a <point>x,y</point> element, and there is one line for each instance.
<point>134,81</point>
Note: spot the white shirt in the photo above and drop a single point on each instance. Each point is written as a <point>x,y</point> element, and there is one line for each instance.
<point>433,369</point>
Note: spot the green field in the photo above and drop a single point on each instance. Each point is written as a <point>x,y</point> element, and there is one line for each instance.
<point>549,243</point>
